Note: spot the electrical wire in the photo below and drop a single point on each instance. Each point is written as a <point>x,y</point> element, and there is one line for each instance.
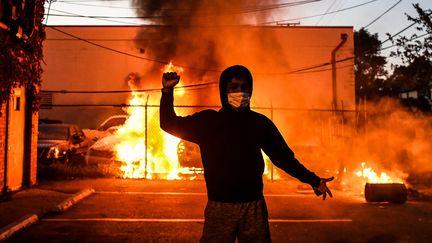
<point>377,18</point>
<point>83,16</point>
<point>328,9</point>
<point>188,67</point>
<point>317,15</point>
<point>124,91</point>
<point>415,38</point>
<point>96,5</point>
<point>404,29</point>
<point>194,106</point>
<point>252,9</point>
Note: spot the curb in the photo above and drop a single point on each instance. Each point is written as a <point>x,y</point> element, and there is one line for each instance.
<point>18,225</point>
<point>63,206</point>
<point>30,219</point>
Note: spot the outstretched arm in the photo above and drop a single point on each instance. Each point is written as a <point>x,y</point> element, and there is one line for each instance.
<point>283,157</point>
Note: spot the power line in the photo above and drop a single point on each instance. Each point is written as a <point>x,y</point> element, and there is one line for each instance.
<point>85,1</point>
<point>409,26</point>
<point>95,5</point>
<point>187,67</point>
<point>83,16</point>
<point>415,38</point>
<point>328,9</point>
<point>373,21</point>
<point>245,10</point>
<point>338,6</point>
<point>248,8</point>
<point>317,15</point>
<point>124,91</point>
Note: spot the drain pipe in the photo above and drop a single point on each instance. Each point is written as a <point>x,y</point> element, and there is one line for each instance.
<point>344,37</point>
<point>5,187</point>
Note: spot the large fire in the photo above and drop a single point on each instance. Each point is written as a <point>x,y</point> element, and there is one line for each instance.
<point>157,157</point>
<point>141,158</point>
<point>370,176</point>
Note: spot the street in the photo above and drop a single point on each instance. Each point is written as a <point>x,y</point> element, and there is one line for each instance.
<point>172,211</point>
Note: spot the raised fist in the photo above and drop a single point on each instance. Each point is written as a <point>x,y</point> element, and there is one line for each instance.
<point>170,79</point>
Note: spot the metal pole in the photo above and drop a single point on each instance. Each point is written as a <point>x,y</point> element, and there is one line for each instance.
<point>344,38</point>
<point>146,138</point>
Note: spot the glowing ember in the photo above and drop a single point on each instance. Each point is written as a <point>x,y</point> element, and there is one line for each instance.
<point>370,176</point>
<point>160,156</point>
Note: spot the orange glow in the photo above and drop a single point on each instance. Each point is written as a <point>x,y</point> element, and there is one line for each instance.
<point>370,176</point>
<point>131,150</point>
<point>268,166</point>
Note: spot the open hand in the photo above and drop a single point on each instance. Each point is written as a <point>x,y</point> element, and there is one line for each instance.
<point>322,189</point>
<point>170,79</point>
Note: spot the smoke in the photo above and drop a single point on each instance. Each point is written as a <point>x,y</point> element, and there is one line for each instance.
<point>388,137</point>
<point>172,37</point>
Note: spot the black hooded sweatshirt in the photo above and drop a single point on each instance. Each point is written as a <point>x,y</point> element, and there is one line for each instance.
<point>230,142</point>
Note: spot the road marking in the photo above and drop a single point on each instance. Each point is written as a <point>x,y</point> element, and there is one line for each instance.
<point>189,193</point>
<point>189,220</point>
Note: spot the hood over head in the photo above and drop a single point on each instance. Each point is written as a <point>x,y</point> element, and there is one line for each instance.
<point>236,71</point>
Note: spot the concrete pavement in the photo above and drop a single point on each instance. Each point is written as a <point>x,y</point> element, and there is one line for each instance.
<point>24,208</point>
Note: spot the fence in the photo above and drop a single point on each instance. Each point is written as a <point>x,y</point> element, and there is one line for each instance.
<point>309,132</point>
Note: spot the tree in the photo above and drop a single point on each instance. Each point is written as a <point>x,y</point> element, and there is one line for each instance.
<point>21,37</point>
<point>369,65</point>
<point>416,53</point>
<point>413,47</point>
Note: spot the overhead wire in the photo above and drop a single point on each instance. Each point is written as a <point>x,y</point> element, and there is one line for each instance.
<point>244,10</point>
<point>415,38</point>
<point>377,18</point>
<point>328,9</point>
<point>338,6</point>
<point>183,66</point>
<point>318,15</point>
<point>84,16</point>
<point>126,91</point>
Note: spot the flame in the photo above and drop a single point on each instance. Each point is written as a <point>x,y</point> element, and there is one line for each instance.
<point>141,158</point>
<point>269,172</point>
<point>370,176</point>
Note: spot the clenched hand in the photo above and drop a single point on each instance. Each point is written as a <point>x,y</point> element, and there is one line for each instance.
<point>170,79</point>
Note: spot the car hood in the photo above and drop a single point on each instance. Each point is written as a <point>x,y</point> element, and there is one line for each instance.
<point>50,143</point>
<point>106,143</point>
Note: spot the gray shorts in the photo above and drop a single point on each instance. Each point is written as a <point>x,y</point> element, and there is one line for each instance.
<point>224,222</point>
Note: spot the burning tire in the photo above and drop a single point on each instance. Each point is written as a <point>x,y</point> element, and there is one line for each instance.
<point>385,192</point>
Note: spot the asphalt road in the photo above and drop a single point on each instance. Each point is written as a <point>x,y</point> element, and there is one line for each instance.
<point>172,211</point>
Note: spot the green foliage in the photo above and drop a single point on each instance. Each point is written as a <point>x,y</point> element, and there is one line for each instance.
<point>20,59</point>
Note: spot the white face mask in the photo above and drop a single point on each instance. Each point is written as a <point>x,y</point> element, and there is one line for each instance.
<point>239,100</point>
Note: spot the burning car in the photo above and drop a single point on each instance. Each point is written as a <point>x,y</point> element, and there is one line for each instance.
<point>102,151</point>
<point>65,143</point>
<point>106,128</point>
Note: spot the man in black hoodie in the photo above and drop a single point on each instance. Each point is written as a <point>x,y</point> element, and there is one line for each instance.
<point>231,141</point>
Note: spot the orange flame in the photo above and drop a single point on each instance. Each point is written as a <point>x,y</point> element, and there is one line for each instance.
<point>138,160</point>
<point>370,176</point>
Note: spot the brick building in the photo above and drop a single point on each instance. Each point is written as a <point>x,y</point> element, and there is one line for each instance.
<point>21,35</point>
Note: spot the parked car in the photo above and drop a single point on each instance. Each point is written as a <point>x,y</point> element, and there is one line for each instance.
<point>65,143</point>
<point>102,151</point>
<point>106,128</point>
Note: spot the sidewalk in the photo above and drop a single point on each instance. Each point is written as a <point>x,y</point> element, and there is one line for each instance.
<point>26,207</point>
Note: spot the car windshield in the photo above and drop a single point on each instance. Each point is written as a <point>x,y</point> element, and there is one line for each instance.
<point>53,132</point>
